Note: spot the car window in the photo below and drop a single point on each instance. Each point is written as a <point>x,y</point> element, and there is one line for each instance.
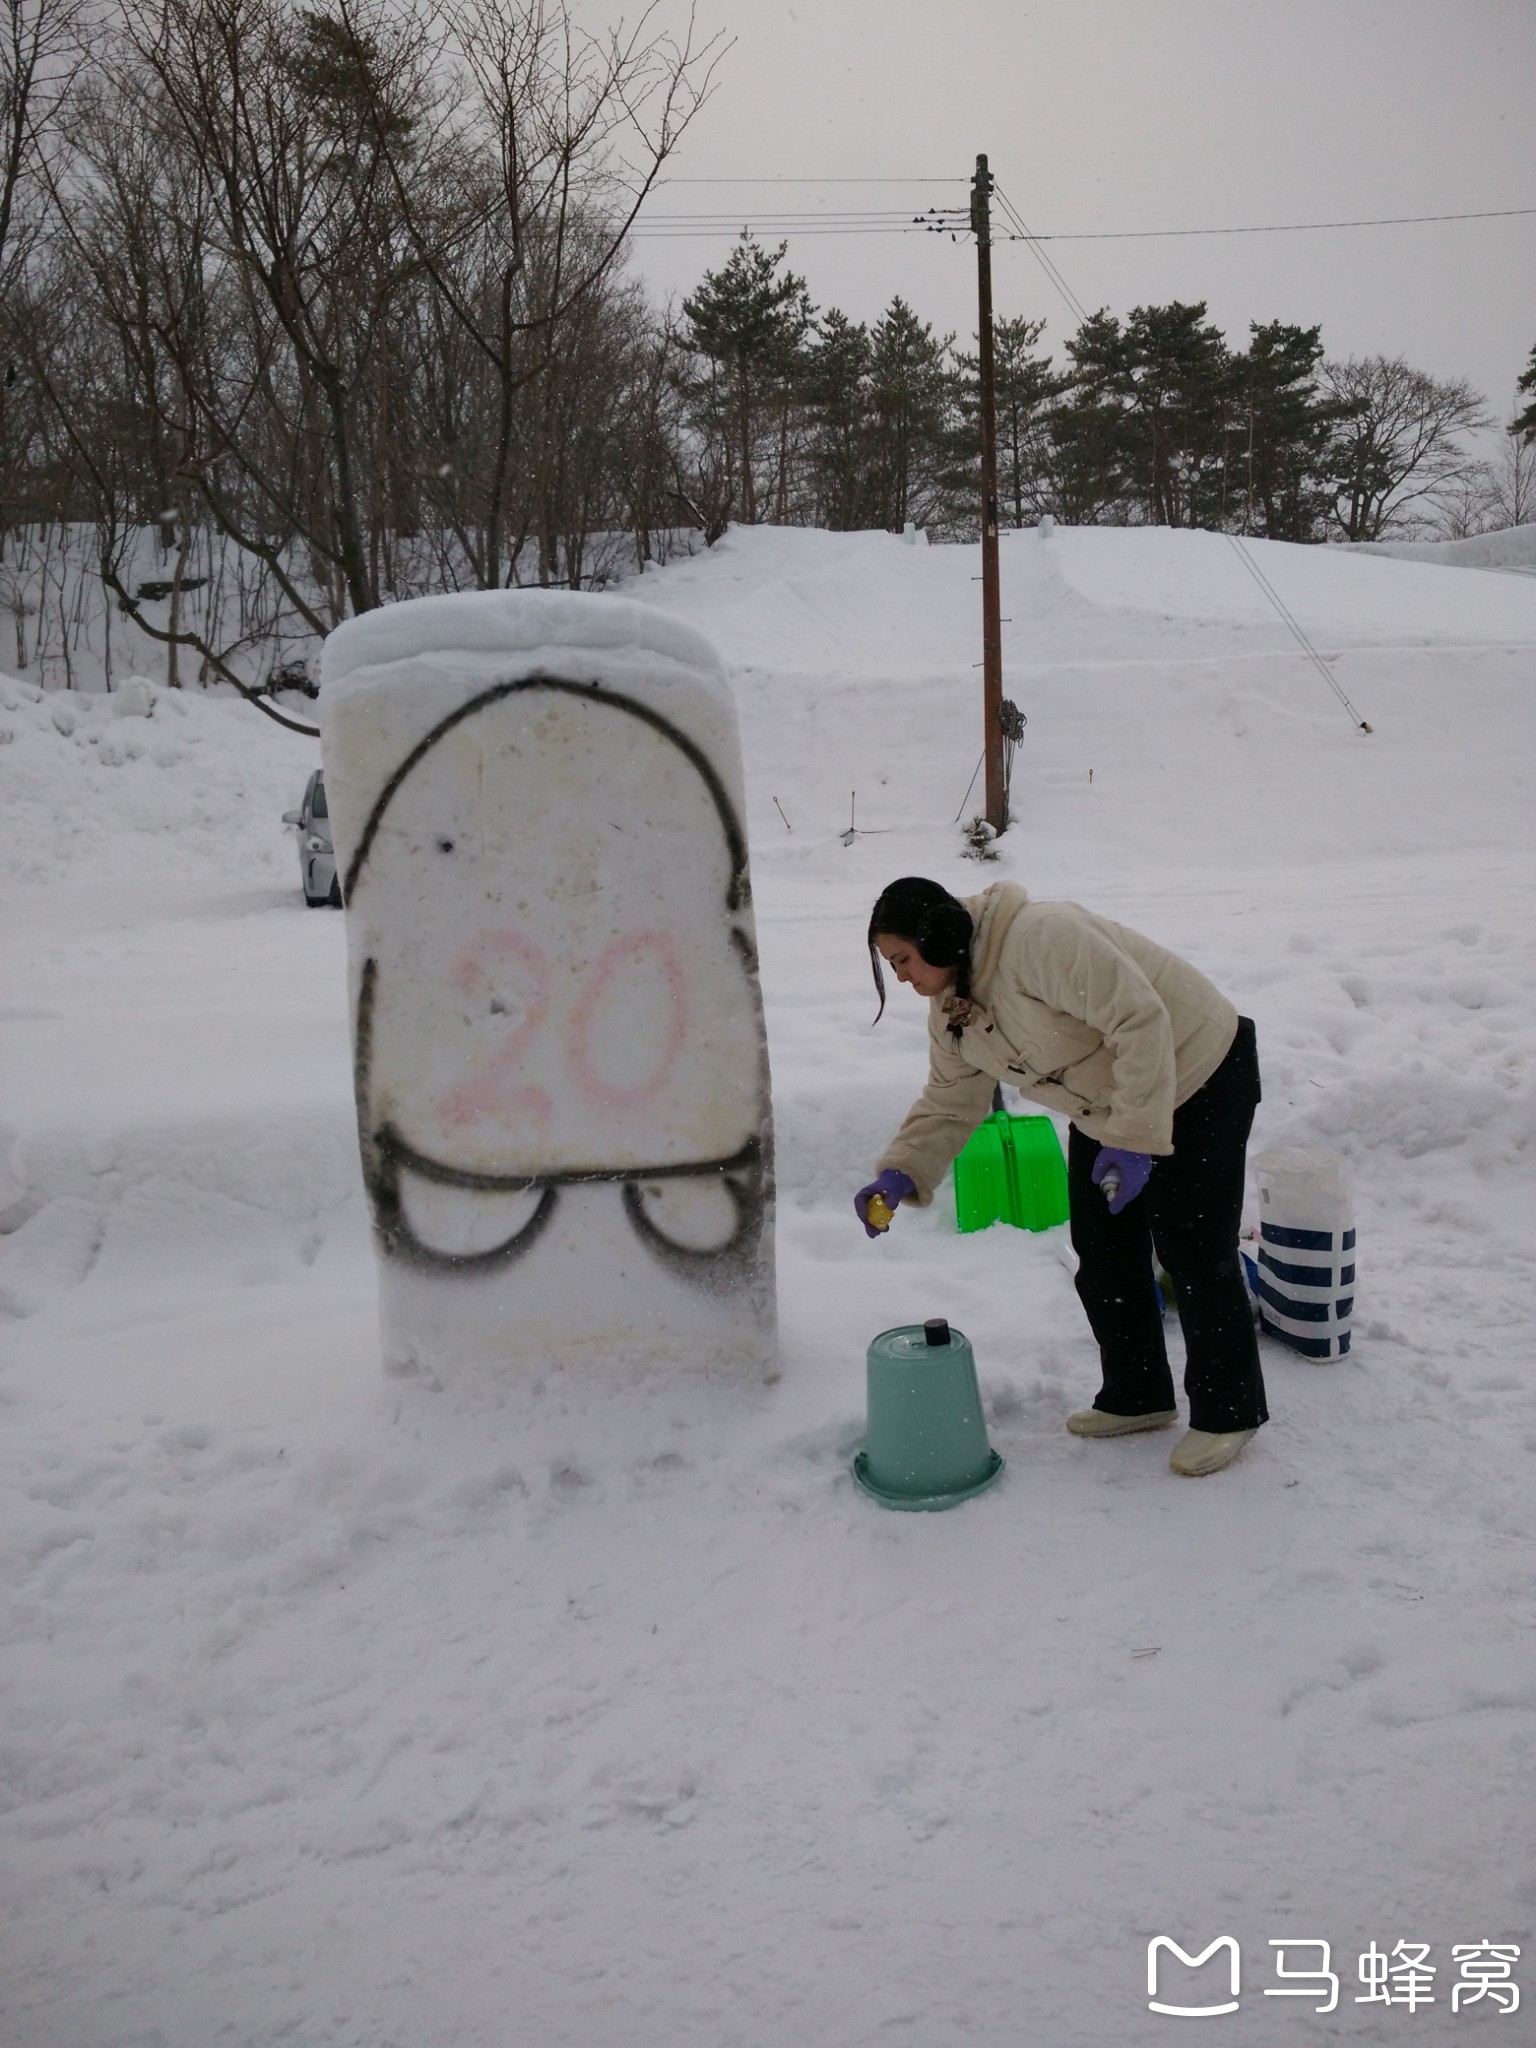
<point>317,801</point>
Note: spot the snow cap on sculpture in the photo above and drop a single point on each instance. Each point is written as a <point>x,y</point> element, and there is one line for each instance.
<point>536,801</point>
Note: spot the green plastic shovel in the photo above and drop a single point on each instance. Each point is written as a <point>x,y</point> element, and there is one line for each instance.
<point>1011,1171</point>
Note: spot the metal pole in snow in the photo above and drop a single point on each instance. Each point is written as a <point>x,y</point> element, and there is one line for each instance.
<point>991,622</point>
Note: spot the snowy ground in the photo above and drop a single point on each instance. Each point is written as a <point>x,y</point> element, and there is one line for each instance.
<point>611,1714</point>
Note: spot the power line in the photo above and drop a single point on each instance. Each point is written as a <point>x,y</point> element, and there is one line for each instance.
<point>842,220</point>
<point>1289,227</point>
<point>896,221</point>
<point>1289,618</point>
<point>838,213</point>
<point>1026,234</point>
<point>740,227</point>
<point>1282,609</point>
<point>788,180</point>
<point>1073,304</point>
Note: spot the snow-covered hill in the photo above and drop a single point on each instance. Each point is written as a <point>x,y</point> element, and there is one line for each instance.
<point>1512,547</point>
<point>610,1713</point>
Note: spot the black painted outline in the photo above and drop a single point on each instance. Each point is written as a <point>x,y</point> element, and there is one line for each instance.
<point>742,1176</point>
<point>736,895</point>
<point>747,1174</point>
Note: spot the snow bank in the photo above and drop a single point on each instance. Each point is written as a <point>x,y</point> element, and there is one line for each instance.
<point>1514,547</point>
<point>165,782</point>
<point>1166,573</point>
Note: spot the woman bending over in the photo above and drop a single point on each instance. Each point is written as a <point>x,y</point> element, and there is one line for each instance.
<point>1160,1078</point>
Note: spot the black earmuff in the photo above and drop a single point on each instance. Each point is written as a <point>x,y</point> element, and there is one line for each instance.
<point>943,934</point>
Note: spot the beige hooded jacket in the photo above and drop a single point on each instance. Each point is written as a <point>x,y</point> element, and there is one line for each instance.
<point>1076,1012</point>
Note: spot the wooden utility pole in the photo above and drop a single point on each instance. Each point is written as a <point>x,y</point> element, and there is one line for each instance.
<point>991,606</point>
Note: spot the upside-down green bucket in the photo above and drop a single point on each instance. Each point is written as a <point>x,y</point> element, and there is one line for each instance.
<point>1011,1171</point>
<point>926,1443</point>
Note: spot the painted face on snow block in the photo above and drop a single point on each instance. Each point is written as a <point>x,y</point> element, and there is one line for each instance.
<point>558,1027</point>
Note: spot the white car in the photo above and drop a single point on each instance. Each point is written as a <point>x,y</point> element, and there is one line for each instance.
<point>317,857</point>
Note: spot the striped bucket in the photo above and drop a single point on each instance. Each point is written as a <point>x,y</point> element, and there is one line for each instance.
<point>1306,1256</point>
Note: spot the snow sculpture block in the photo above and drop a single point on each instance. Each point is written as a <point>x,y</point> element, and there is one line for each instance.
<point>561,1067</point>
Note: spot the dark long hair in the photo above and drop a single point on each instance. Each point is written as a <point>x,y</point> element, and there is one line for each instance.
<point>928,917</point>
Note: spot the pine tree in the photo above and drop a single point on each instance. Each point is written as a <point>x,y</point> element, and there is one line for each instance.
<point>1083,476</point>
<point>1023,387</point>
<point>747,324</point>
<point>1169,375</point>
<point>1524,423</point>
<point>1280,467</point>
<point>834,387</point>
<point>909,389</point>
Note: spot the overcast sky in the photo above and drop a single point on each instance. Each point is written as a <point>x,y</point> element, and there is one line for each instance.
<point>1105,115</point>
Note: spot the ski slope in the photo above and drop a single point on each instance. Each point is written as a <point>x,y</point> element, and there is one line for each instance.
<point>605,1710</point>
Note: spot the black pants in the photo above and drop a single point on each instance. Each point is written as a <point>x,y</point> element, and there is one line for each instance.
<point>1190,1211</point>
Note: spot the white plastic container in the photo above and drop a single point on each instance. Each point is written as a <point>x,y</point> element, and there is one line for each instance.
<point>1306,1261</point>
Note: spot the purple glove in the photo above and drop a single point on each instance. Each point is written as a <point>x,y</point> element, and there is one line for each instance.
<point>891,1186</point>
<point>1122,1175</point>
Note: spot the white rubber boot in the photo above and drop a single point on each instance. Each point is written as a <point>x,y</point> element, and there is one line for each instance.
<point>1097,1422</point>
<point>1200,1451</point>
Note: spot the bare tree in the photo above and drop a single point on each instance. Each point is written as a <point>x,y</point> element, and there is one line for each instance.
<point>278,118</point>
<point>40,54</point>
<point>562,137</point>
<point>647,446</point>
<point>153,325</point>
<point>1398,448</point>
<point>1492,495</point>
